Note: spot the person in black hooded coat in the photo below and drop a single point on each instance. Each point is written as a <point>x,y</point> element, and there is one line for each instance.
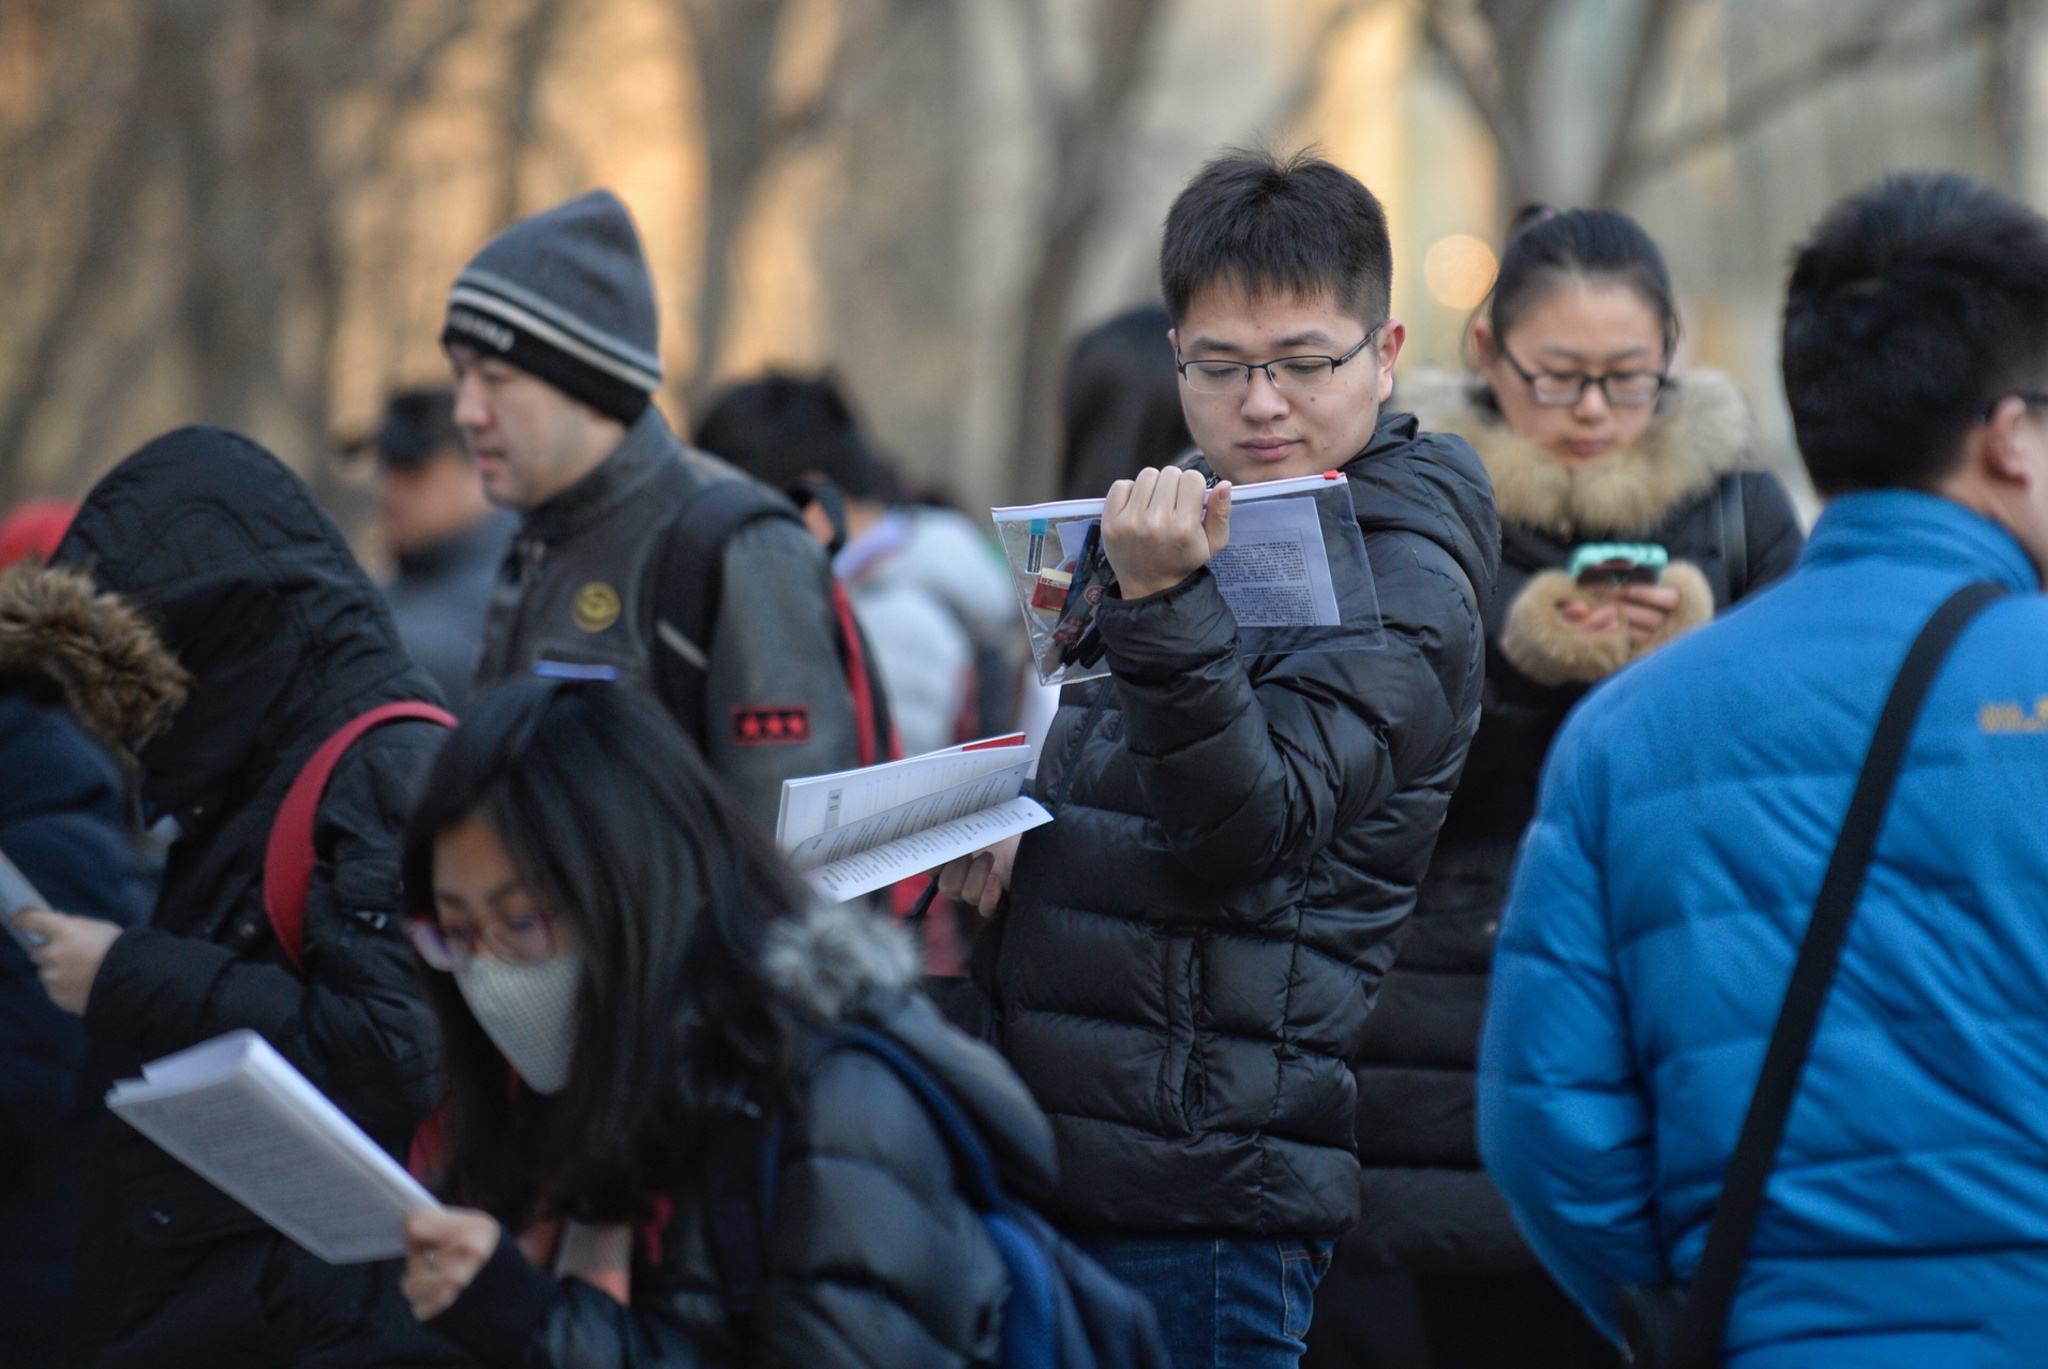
<point>254,590</point>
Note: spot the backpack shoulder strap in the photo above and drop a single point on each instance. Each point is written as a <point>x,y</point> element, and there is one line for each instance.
<point>1763,1128</point>
<point>686,605</point>
<point>288,856</point>
<point>1734,537</point>
<point>975,1170</point>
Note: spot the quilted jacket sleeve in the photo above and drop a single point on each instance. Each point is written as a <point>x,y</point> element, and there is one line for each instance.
<point>1565,1127</point>
<point>1250,777</point>
<point>356,1025</point>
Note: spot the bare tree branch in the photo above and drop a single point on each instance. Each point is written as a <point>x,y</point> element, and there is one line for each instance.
<point>1771,96</point>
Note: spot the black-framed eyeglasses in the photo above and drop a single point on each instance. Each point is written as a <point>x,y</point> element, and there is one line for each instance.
<point>2033,399</point>
<point>1561,389</point>
<point>523,940</point>
<point>1284,373</point>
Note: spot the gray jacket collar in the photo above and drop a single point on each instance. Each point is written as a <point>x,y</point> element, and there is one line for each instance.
<point>647,444</point>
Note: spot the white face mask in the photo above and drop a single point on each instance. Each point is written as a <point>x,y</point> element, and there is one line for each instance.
<point>528,1011</point>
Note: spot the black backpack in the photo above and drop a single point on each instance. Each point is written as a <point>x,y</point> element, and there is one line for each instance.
<point>1064,1310</point>
<point>689,605</point>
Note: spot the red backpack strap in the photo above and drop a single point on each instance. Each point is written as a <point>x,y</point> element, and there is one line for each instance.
<point>288,856</point>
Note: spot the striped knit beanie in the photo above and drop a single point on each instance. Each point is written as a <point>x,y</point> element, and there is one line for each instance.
<point>566,296</point>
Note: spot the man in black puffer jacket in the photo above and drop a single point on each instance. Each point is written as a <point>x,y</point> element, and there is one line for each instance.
<point>223,550</point>
<point>1191,948</point>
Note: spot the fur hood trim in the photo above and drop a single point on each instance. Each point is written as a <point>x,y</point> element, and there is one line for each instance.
<point>1703,429</point>
<point>835,957</point>
<point>118,679</point>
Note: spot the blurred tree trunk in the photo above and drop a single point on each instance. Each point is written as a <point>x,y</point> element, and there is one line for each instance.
<point>1087,122</point>
<point>750,132</point>
<point>221,188</point>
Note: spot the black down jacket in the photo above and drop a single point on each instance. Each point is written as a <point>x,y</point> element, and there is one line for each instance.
<point>1689,485</point>
<point>1191,949</point>
<point>872,1255</point>
<point>256,593</point>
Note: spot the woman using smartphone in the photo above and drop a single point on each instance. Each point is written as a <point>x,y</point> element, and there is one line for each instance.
<point>631,988</point>
<point>1632,511</point>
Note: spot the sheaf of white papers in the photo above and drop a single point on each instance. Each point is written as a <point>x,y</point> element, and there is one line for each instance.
<point>1276,570</point>
<point>855,831</point>
<point>235,1112</point>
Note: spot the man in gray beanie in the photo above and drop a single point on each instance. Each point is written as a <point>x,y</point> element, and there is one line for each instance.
<point>637,554</point>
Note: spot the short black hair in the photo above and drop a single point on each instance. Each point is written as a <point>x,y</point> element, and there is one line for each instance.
<point>1548,246</point>
<point>1916,303</point>
<point>780,427</point>
<point>416,425</point>
<point>1270,225</point>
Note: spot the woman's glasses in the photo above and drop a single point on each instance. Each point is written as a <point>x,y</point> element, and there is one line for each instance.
<point>523,940</point>
<point>1557,390</point>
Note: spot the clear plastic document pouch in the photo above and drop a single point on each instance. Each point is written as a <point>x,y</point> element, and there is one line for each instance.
<point>1295,574</point>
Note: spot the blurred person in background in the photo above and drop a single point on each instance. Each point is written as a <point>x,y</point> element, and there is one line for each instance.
<point>1673,867</point>
<point>1589,437</point>
<point>1120,413</point>
<point>551,333</point>
<point>32,529</point>
<point>636,996</point>
<point>930,588</point>
<point>83,680</point>
<point>254,591</point>
<point>1120,404</point>
<point>446,539</point>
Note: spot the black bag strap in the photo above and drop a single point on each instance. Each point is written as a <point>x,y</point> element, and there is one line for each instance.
<point>689,580</point>
<point>1763,1128</point>
<point>1734,537</point>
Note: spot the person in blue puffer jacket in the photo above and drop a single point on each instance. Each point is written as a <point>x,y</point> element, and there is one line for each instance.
<point>1688,811</point>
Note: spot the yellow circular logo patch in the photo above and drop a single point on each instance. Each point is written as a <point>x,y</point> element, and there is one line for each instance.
<point>597,606</point>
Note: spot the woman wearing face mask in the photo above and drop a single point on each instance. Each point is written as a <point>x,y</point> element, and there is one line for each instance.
<point>627,982</point>
<point>1590,438</point>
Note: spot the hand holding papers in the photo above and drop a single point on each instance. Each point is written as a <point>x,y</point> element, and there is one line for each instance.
<point>1294,574</point>
<point>856,831</point>
<point>235,1111</point>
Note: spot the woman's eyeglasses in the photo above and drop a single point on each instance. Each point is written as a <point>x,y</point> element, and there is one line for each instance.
<point>525,939</point>
<point>1561,389</point>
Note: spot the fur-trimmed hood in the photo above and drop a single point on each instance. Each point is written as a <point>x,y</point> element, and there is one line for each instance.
<point>841,961</point>
<point>836,958</point>
<point>117,678</point>
<point>1702,430</point>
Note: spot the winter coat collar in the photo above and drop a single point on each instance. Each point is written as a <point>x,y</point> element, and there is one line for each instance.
<point>1422,482</point>
<point>1702,430</point>
<point>482,542</point>
<point>618,477</point>
<point>117,679</point>
<point>1919,529</point>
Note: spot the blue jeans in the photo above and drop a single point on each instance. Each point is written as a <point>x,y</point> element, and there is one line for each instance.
<point>1222,1304</point>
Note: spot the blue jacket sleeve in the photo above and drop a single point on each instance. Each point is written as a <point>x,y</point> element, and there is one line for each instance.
<point>1565,1125</point>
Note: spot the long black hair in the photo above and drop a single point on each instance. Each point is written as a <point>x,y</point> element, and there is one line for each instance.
<point>1121,403</point>
<point>619,830</point>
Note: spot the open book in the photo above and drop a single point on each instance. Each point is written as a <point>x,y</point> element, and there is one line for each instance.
<point>237,1113</point>
<point>856,831</point>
